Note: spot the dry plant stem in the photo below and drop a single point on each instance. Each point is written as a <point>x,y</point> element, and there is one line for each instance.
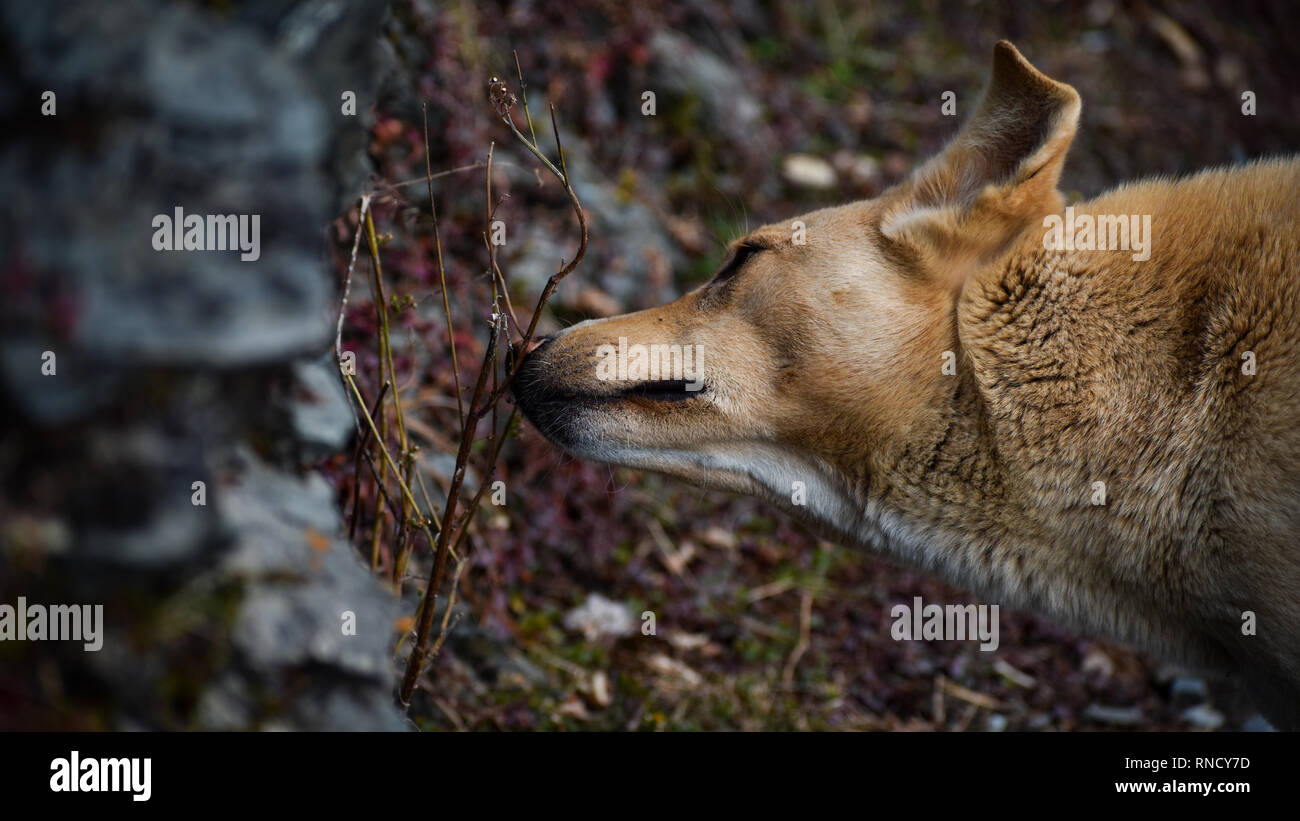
<point>446,614</point>
<point>402,476</point>
<point>347,282</point>
<point>442,274</point>
<point>496,439</point>
<point>422,521</point>
<point>365,221</point>
<point>347,291</point>
<point>474,166</point>
<point>468,429</point>
<point>424,491</point>
<point>479,408</point>
<point>376,536</point>
<point>385,340</point>
<point>418,654</point>
<point>554,281</point>
<point>383,499</point>
<point>523,95</point>
<point>499,288</point>
<point>559,147</point>
<point>498,285</point>
<point>805,635</point>
<point>404,528</point>
<point>499,281</point>
<point>410,510</point>
<point>463,531</point>
<point>362,445</point>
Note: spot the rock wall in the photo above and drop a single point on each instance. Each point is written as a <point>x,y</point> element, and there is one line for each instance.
<point>161,405</point>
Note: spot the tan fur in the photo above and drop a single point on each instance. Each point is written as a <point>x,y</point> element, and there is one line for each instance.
<point>823,365</point>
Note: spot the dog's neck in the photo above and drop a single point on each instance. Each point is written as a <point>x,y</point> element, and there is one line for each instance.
<point>953,495</point>
<point>938,496</point>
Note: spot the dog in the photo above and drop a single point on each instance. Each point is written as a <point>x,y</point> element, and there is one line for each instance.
<point>1091,412</point>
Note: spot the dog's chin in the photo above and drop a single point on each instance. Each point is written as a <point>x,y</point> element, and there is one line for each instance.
<point>563,422</point>
<point>581,436</point>
<point>598,428</point>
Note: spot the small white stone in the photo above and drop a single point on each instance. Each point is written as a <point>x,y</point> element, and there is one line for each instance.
<point>598,616</point>
<point>808,171</point>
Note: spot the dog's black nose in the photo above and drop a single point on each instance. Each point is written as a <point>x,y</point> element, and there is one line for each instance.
<point>528,388</point>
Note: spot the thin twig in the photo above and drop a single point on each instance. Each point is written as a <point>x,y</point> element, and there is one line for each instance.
<point>523,95</point>
<point>384,499</point>
<point>559,147</point>
<point>444,630</point>
<point>442,275</point>
<point>498,278</point>
<point>403,474</point>
<point>347,282</point>
<point>385,338</point>
<point>422,522</point>
<point>362,443</point>
<point>425,620</point>
<point>491,476</point>
<point>408,183</point>
<point>805,635</point>
<point>565,270</point>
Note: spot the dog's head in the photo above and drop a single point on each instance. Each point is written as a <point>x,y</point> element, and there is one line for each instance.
<point>822,339</point>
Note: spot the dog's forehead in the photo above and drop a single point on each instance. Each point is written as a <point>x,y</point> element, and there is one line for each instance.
<point>837,224</point>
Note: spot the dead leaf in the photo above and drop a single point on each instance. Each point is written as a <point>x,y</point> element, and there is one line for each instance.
<point>318,541</point>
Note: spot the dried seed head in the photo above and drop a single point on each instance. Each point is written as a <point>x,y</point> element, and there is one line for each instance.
<point>501,96</point>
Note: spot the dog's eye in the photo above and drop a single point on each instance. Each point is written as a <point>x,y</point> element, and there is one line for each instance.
<point>737,261</point>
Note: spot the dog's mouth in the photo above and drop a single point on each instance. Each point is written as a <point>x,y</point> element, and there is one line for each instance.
<point>656,391</point>
<point>557,410</point>
<point>660,390</point>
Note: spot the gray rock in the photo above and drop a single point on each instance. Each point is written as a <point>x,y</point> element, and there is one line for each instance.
<point>513,669</point>
<point>149,476</point>
<point>634,260</point>
<point>340,706</point>
<point>176,367</point>
<point>1204,717</point>
<point>1119,716</point>
<point>303,578</point>
<point>442,466</point>
<point>539,256</point>
<point>226,705</point>
<point>632,239</point>
<point>1257,724</point>
<point>288,625</point>
<point>320,414</point>
<point>184,125</point>
<point>682,67</point>
<point>74,386</point>
<point>1188,690</point>
<point>598,617</point>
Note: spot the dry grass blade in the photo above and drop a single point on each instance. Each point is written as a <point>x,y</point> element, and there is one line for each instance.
<point>442,273</point>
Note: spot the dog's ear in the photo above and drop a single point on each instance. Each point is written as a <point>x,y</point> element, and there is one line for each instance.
<point>996,178</point>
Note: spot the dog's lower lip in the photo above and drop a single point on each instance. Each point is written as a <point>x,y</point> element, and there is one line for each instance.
<point>664,391</point>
